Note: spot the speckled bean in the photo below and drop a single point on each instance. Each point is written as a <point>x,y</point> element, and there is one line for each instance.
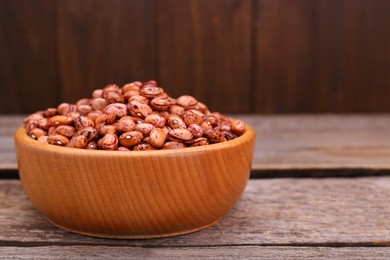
<point>138,109</point>
<point>66,130</point>
<point>61,120</point>
<point>109,142</point>
<point>57,139</point>
<point>156,120</point>
<point>131,138</point>
<point>157,137</point>
<point>180,135</point>
<point>78,142</point>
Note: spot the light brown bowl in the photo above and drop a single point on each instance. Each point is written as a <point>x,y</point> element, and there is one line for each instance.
<point>141,194</point>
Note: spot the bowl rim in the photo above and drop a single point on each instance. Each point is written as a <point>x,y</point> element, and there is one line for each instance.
<point>22,137</point>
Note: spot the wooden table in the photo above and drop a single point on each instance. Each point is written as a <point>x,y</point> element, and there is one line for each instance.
<point>286,210</point>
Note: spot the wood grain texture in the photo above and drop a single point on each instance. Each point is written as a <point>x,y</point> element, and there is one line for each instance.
<point>322,56</point>
<point>102,42</point>
<point>291,143</point>
<point>204,49</point>
<point>27,56</point>
<point>225,252</point>
<point>142,194</point>
<point>280,212</point>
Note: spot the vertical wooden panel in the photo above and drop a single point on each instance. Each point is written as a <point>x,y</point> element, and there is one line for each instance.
<point>28,79</point>
<point>104,41</point>
<point>322,56</point>
<point>204,49</point>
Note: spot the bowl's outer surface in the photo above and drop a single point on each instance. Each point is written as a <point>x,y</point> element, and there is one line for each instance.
<point>134,194</point>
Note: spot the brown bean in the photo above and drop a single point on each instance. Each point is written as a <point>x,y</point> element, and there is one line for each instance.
<point>157,137</point>
<point>50,112</point>
<point>94,114</point>
<point>186,101</point>
<point>156,120</point>
<point>33,117</point>
<point>106,129</point>
<point>43,139</point>
<point>57,139</point>
<point>123,149</point>
<point>143,147</point>
<point>109,142</point>
<point>44,123</point>
<point>144,128</point>
<point>52,130</point>
<point>176,110</point>
<point>97,93</point>
<point>200,141</point>
<point>89,132</point>
<point>150,91</point>
<point>82,122</point>
<point>173,145</point>
<point>238,127</point>
<point>61,120</point>
<point>78,142</point>
<point>140,99</point>
<point>105,118</point>
<point>109,89</point>
<point>82,102</point>
<point>114,97</point>
<point>125,124</point>
<point>228,135</point>
<point>180,135</point>
<point>91,146</point>
<point>65,108</point>
<point>98,103</point>
<point>162,103</point>
<point>119,109</point>
<point>36,133</point>
<point>66,130</point>
<point>74,115</point>
<point>131,138</point>
<point>196,130</point>
<point>190,117</point>
<point>139,109</point>
<point>175,122</point>
<point>130,87</point>
<point>214,136</point>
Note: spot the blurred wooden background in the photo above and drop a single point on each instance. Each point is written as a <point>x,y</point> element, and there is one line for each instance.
<point>237,56</point>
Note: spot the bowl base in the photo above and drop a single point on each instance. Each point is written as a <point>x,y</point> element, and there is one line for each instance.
<point>130,236</point>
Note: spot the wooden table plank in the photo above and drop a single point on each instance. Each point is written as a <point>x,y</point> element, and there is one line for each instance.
<point>228,252</point>
<point>299,142</point>
<point>278,212</point>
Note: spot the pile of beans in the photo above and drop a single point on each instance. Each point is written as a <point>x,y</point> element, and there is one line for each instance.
<point>139,116</point>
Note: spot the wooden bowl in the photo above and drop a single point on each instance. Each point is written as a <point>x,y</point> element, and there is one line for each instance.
<point>141,194</point>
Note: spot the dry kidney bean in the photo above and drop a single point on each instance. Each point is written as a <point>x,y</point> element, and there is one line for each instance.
<point>156,120</point>
<point>143,147</point>
<point>82,122</point>
<point>144,128</point>
<point>109,142</point>
<point>139,116</point>
<point>61,120</point>
<point>125,124</point>
<point>157,137</point>
<point>175,122</point>
<point>180,135</point>
<point>66,130</point>
<point>190,117</point>
<point>78,142</point>
<point>129,139</point>
<point>57,140</point>
<point>36,133</point>
<point>173,145</point>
